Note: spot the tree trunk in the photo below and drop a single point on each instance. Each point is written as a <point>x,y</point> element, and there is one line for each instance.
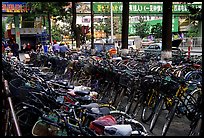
<point>125,25</point>
<point>74,27</point>
<point>49,23</point>
<point>92,28</point>
<point>166,52</point>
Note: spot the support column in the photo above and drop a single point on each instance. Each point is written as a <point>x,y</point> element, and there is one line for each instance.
<point>166,52</point>
<point>17,31</point>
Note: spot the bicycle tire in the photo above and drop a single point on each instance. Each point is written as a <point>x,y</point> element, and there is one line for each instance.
<point>138,104</point>
<point>118,115</point>
<point>27,123</point>
<point>169,119</point>
<point>148,108</point>
<point>189,75</point>
<point>156,114</point>
<point>196,93</point>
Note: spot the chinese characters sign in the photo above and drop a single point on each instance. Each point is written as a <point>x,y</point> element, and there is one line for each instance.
<point>141,8</point>
<point>14,7</point>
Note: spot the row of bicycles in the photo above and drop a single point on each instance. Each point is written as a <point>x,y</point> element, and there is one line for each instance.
<point>95,96</point>
<point>45,105</point>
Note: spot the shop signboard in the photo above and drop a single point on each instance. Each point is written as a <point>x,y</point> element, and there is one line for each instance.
<point>15,7</point>
<point>135,8</point>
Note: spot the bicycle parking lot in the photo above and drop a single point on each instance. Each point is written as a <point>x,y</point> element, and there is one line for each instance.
<point>123,92</point>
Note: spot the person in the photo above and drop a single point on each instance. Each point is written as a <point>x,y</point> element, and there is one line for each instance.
<point>28,47</point>
<point>63,49</point>
<point>112,52</point>
<point>181,35</point>
<point>55,47</point>
<point>24,48</point>
<point>7,47</point>
<point>39,47</point>
<point>3,48</point>
<point>15,48</point>
<point>175,36</point>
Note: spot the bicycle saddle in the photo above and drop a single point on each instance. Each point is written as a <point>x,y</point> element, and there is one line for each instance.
<point>149,77</point>
<point>82,93</point>
<point>91,105</point>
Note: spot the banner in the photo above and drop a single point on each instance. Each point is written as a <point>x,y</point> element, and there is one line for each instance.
<point>15,7</point>
<point>100,8</point>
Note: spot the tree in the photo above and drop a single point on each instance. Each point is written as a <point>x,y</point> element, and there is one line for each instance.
<point>166,52</point>
<point>75,29</point>
<point>107,28</point>
<point>142,28</point>
<point>3,28</point>
<point>56,33</point>
<point>156,30</point>
<point>117,26</point>
<point>125,24</point>
<point>196,21</point>
<point>48,9</point>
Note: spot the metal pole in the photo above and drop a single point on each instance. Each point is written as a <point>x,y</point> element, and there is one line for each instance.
<point>6,87</point>
<point>111,22</point>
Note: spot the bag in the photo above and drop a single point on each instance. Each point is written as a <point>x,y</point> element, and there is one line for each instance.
<point>118,130</point>
<point>99,124</point>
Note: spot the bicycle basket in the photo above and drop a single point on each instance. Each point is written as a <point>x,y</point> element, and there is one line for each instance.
<point>43,129</point>
<point>14,86</point>
<point>19,89</point>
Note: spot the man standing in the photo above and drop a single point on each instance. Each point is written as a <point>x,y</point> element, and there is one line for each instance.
<point>56,47</point>
<point>14,49</point>
<point>63,49</point>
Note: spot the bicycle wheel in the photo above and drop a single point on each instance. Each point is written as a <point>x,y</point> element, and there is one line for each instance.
<point>156,114</point>
<point>169,118</point>
<point>196,93</point>
<point>149,106</point>
<point>122,105</point>
<point>120,116</point>
<point>137,102</point>
<point>138,128</point>
<point>26,118</point>
<point>195,76</point>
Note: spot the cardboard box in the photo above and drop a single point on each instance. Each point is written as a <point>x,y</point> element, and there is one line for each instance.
<point>27,58</point>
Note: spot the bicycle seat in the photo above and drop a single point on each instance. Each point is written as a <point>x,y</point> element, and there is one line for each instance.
<point>82,93</point>
<point>91,105</point>
<point>197,66</point>
<point>149,77</point>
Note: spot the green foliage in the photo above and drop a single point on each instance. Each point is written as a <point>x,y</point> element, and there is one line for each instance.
<point>196,19</point>
<point>107,27</point>
<point>156,30</point>
<point>193,31</point>
<point>142,28</point>
<point>10,19</point>
<point>56,33</point>
<point>3,28</point>
<point>195,13</point>
<point>55,8</point>
<point>117,26</point>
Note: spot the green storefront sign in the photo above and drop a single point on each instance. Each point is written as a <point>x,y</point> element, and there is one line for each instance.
<point>175,24</point>
<point>100,8</point>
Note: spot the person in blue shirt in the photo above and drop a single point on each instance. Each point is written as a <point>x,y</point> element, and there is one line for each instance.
<point>56,47</point>
<point>63,49</point>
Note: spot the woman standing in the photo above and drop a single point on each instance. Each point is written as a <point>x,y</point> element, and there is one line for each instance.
<point>28,47</point>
